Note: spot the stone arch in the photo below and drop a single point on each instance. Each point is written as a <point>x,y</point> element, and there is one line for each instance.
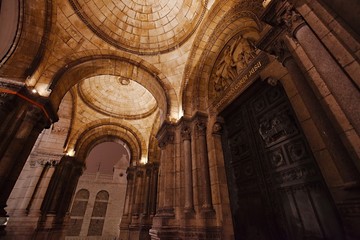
<point>86,140</point>
<point>26,53</point>
<point>236,17</point>
<point>126,66</point>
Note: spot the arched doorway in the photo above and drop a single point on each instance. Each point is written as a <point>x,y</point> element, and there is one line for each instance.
<point>99,214</point>
<point>276,189</point>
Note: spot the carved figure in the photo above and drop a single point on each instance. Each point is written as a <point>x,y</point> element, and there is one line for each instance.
<point>234,59</point>
<point>243,52</point>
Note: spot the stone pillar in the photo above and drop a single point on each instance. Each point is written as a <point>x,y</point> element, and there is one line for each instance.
<point>161,176</point>
<point>36,178</point>
<point>164,222</point>
<point>153,189</point>
<point>343,162</point>
<point>34,206</point>
<point>204,167</point>
<point>138,192</point>
<point>186,139</point>
<point>126,218</point>
<point>129,190</point>
<point>17,151</point>
<point>8,99</point>
<point>147,189</point>
<point>58,198</point>
<point>166,143</point>
<point>338,82</point>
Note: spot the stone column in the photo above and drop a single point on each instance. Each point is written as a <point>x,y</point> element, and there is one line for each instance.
<point>346,167</point>
<point>147,189</point>
<point>168,167</point>
<point>340,85</point>
<point>153,189</point>
<point>163,223</point>
<point>138,192</point>
<point>36,178</point>
<point>186,139</point>
<point>161,191</point>
<point>130,185</point>
<point>58,197</point>
<point>34,207</point>
<point>166,191</point>
<point>204,167</point>
<point>18,149</point>
<point>128,206</point>
<point>8,99</point>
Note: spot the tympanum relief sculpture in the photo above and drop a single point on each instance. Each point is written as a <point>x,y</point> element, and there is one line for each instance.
<point>235,57</point>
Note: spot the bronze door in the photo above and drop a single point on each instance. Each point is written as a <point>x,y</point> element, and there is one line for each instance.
<point>276,189</point>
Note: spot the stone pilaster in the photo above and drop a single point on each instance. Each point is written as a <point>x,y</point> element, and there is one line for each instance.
<point>345,166</point>
<point>27,128</point>
<point>341,86</point>
<point>153,189</point>
<point>200,127</point>
<point>166,143</point>
<point>164,222</point>
<point>186,140</point>
<point>8,99</point>
<point>128,206</point>
<point>58,197</point>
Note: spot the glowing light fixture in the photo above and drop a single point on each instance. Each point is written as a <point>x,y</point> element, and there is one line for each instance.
<point>70,152</point>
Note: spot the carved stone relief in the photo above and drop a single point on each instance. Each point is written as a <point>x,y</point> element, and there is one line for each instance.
<point>234,58</point>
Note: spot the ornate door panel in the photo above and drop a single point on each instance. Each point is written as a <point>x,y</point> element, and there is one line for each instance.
<point>275,187</point>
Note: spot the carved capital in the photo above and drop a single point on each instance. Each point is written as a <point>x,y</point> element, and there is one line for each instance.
<point>34,114</point>
<point>280,51</point>
<point>217,128</point>
<point>291,19</point>
<point>168,138</point>
<point>139,173</point>
<point>130,173</point>
<point>185,133</point>
<point>201,128</point>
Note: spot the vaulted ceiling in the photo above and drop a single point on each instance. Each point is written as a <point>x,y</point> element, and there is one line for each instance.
<point>131,63</point>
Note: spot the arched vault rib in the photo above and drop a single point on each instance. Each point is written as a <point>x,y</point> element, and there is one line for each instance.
<point>86,138</point>
<point>132,68</point>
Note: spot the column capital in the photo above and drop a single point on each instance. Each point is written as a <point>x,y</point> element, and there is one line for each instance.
<point>200,128</point>
<point>185,132</point>
<point>291,19</point>
<point>70,161</point>
<point>166,134</point>
<point>284,15</point>
<point>217,128</point>
<point>8,90</point>
<point>281,52</point>
<point>130,172</point>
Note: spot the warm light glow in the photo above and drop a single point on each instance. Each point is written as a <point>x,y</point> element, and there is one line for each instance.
<point>143,160</point>
<point>30,82</point>
<point>181,112</point>
<point>43,90</point>
<point>33,90</point>
<point>265,3</point>
<point>70,152</point>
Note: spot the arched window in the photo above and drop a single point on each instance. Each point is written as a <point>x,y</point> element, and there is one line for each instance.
<point>98,214</point>
<point>77,212</point>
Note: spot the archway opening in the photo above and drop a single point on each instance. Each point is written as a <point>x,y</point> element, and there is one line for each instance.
<point>105,172</point>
